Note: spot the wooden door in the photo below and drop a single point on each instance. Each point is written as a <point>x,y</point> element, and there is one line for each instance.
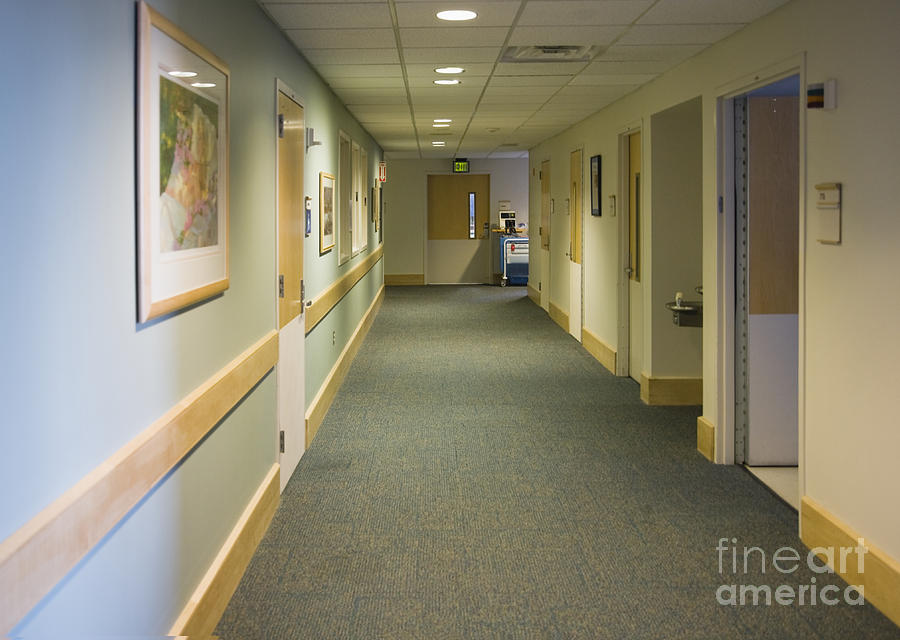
<point>545,208</point>
<point>458,247</point>
<point>635,291</point>
<point>575,206</point>
<point>291,335</point>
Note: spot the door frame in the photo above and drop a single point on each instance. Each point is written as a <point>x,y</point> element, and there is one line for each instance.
<point>725,263</point>
<point>283,88</point>
<point>581,252</point>
<point>623,293</point>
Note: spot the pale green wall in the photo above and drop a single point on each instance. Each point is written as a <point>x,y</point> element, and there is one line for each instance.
<point>80,377</point>
<point>846,426</point>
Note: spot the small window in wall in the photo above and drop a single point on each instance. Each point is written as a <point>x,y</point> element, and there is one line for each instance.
<point>471,214</point>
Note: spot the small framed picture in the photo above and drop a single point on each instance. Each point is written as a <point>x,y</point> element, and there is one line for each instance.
<point>183,92</point>
<point>326,212</point>
<point>595,186</point>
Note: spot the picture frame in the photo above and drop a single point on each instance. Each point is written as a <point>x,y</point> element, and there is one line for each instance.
<point>183,171</point>
<point>595,186</point>
<point>326,212</point>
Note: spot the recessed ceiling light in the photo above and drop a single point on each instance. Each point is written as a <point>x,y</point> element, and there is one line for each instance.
<point>439,125</point>
<point>443,120</point>
<point>438,144</point>
<point>203,85</point>
<point>449,70</point>
<point>182,74</point>
<point>455,15</point>
<point>453,81</point>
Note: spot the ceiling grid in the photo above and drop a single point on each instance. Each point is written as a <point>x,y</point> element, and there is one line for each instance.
<point>380,56</point>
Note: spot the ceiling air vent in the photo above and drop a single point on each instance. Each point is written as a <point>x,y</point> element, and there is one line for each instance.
<point>550,53</point>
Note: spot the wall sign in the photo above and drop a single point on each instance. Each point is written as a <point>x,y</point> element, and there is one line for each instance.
<point>461,165</point>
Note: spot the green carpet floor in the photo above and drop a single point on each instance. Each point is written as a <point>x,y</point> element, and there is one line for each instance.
<point>480,475</point>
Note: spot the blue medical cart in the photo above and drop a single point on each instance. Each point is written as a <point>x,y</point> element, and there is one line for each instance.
<point>513,260</point>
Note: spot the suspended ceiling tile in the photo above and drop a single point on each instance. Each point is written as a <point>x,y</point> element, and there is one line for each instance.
<point>352,56</point>
<point>539,68</point>
<point>390,154</point>
<point>512,102</point>
<point>595,79</point>
<point>678,34</point>
<point>359,70</point>
<point>612,68</point>
<point>583,12</point>
<point>422,70</point>
<point>530,81</point>
<point>388,130</point>
<point>635,52</point>
<point>708,11</point>
<point>358,83</point>
<point>372,96</point>
<point>330,16</point>
<point>440,55</point>
<point>576,35</point>
<point>490,14</point>
<point>513,93</point>
<point>513,108</point>
<point>341,38</point>
<point>450,37</point>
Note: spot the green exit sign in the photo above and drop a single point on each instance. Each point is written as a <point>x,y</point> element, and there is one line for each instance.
<point>460,165</point>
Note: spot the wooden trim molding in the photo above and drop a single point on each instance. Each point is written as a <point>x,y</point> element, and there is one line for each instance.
<point>880,576</point>
<point>671,391</point>
<point>40,554</point>
<point>335,378</point>
<point>207,604</point>
<point>706,438</point>
<point>404,279</point>
<point>559,316</point>
<point>534,294</point>
<point>339,288</point>
<point>604,353</point>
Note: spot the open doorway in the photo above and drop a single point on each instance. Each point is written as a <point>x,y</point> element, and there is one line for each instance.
<point>766,303</point>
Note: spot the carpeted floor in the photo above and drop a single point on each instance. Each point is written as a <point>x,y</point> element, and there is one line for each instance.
<point>481,476</point>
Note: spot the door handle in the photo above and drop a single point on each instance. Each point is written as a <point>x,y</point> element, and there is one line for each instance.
<point>629,270</point>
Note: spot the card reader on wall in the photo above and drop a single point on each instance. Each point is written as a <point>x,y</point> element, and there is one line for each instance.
<point>828,206</point>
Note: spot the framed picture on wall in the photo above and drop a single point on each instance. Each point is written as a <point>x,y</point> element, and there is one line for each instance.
<point>595,186</point>
<point>183,93</point>
<point>326,212</point>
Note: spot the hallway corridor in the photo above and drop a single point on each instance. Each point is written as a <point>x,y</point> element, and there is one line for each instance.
<point>480,475</point>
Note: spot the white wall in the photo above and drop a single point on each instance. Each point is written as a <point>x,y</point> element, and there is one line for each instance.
<point>850,300</point>
<point>406,203</point>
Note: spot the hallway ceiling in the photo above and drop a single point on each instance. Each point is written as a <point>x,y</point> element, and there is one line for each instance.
<point>379,57</point>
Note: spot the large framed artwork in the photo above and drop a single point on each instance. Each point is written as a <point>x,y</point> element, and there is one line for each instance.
<point>326,212</point>
<point>183,98</point>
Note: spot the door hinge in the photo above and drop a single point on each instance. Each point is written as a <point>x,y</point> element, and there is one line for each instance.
<point>540,175</point>
<point>280,286</point>
<point>280,125</point>
<point>721,204</point>
<point>539,286</point>
<point>281,441</point>
<point>302,295</point>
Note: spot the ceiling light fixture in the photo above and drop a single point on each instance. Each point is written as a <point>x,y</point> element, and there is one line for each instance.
<point>438,125</point>
<point>182,74</point>
<point>443,120</point>
<point>456,15</point>
<point>438,144</point>
<point>203,85</point>
<point>454,81</point>
<point>449,70</point>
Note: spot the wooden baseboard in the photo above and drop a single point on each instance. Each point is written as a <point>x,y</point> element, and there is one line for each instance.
<point>40,554</point>
<point>880,577</point>
<point>604,353</point>
<point>671,391</point>
<point>328,299</point>
<point>534,294</point>
<point>335,378</point>
<point>404,279</point>
<point>207,604</point>
<point>559,316</point>
<point>706,438</point>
